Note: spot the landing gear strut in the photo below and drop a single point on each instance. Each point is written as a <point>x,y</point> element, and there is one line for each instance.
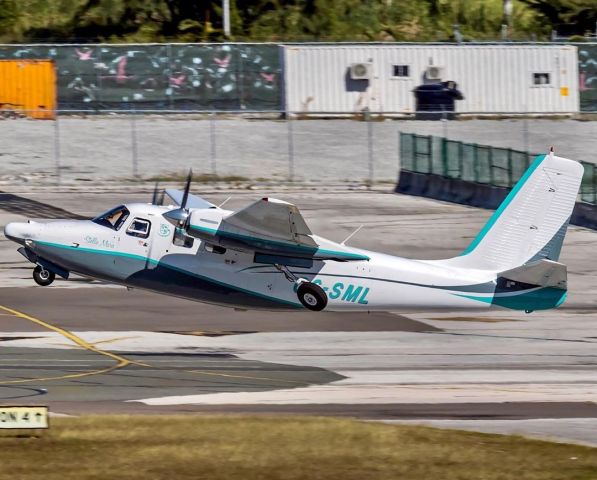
<point>42,276</point>
<point>309,294</point>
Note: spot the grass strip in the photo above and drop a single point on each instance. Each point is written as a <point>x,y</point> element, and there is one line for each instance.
<point>290,448</point>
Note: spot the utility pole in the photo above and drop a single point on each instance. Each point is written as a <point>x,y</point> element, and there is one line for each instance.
<point>226,14</point>
<point>507,19</point>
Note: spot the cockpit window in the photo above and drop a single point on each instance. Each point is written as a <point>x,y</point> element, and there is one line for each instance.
<point>139,228</point>
<point>113,218</point>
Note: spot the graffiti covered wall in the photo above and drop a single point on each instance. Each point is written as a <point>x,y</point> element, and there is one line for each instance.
<point>587,71</point>
<point>162,77</point>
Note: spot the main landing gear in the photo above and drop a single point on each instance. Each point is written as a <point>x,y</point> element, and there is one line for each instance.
<point>309,294</point>
<point>43,276</point>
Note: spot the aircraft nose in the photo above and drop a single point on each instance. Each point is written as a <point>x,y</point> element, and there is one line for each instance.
<point>17,231</point>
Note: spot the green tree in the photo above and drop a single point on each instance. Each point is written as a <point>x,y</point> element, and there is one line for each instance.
<point>581,13</point>
<point>283,20</point>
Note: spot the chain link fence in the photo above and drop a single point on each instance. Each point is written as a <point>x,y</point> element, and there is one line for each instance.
<point>470,162</point>
<point>218,146</point>
<point>271,146</point>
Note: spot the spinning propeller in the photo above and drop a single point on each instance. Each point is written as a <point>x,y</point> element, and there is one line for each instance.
<point>157,198</point>
<point>179,215</point>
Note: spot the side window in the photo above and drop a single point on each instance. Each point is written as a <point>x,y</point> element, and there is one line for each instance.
<point>139,228</point>
<point>541,78</point>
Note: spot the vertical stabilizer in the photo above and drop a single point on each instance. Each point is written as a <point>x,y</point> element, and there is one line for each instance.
<point>531,222</point>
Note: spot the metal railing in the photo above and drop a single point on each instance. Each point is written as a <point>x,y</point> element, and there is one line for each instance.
<point>470,162</point>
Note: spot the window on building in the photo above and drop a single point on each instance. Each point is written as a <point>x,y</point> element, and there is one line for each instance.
<point>139,228</point>
<point>401,70</point>
<point>541,78</point>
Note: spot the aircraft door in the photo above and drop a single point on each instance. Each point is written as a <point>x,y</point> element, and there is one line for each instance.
<point>161,240</point>
<point>134,244</point>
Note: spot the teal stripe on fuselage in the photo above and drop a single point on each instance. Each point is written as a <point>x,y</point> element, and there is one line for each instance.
<point>537,299</point>
<point>275,243</point>
<point>490,223</point>
<point>165,265</point>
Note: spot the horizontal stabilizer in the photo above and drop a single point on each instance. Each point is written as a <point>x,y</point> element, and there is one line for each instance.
<point>192,202</point>
<point>541,273</point>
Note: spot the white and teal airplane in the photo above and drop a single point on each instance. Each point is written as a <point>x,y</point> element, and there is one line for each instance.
<point>265,256</point>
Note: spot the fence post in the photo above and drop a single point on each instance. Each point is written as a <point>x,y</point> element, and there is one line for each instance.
<point>134,142</point>
<point>370,149</point>
<point>57,148</point>
<point>413,149</point>
<point>510,180</point>
<point>461,160</point>
<point>399,153</point>
<point>429,153</point>
<point>594,185</point>
<point>490,166</point>
<point>444,151</point>
<point>476,160</point>
<point>212,143</point>
<point>290,133</point>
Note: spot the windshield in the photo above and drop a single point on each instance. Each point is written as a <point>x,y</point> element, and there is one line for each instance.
<point>113,218</point>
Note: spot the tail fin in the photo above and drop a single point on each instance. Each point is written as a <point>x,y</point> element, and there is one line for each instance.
<point>531,222</point>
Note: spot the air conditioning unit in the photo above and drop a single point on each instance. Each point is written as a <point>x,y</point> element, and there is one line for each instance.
<point>434,72</point>
<point>361,71</point>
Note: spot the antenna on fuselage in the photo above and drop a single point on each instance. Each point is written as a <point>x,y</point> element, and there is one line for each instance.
<point>351,235</point>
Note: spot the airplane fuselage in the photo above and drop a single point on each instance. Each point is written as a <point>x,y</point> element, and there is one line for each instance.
<point>232,277</point>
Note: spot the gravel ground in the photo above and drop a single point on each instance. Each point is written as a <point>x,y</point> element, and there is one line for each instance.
<point>331,151</point>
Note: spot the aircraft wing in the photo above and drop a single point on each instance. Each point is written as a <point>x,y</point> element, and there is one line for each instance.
<point>192,202</point>
<point>268,226</point>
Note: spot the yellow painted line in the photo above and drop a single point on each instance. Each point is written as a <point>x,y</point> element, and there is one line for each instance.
<point>117,339</point>
<point>246,377</point>
<point>120,361</point>
<point>62,377</point>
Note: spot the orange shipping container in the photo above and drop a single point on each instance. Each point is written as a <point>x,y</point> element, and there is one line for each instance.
<point>28,87</point>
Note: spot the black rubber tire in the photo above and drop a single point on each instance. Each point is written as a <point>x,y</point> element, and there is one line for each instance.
<point>43,276</point>
<point>312,296</point>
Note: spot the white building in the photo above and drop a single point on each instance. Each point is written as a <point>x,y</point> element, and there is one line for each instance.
<point>535,78</point>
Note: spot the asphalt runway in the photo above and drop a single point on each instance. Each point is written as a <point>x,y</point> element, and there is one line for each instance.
<point>83,380</point>
<point>86,347</point>
<point>81,377</point>
<point>119,309</point>
<point>78,377</point>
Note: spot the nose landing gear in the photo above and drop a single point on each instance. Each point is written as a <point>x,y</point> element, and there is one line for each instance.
<point>42,276</point>
<point>309,294</point>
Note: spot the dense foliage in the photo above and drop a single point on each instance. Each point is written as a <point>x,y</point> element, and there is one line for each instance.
<point>287,20</point>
